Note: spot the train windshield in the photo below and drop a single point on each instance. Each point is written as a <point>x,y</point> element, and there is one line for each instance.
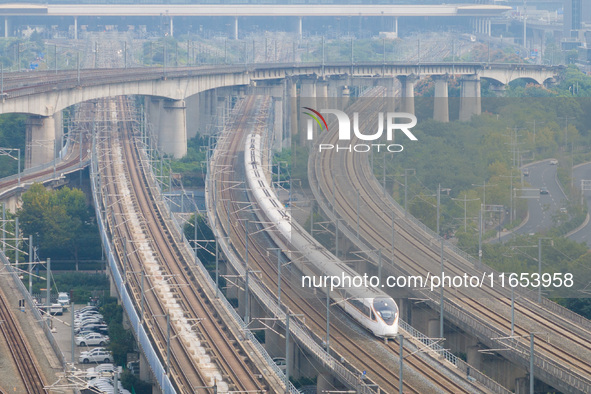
<point>386,308</point>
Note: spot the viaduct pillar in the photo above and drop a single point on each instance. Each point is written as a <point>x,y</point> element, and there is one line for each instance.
<point>470,100</point>
<point>235,27</point>
<point>153,106</point>
<point>40,145</point>
<point>278,123</point>
<point>441,101</point>
<point>173,129</point>
<point>307,99</point>
<point>193,115</point>
<point>408,92</point>
<point>293,108</point>
<point>322,94</point>
<point>6,27</point>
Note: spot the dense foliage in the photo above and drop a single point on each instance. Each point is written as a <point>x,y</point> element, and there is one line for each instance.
<point>61,222</point>
<point>12,135</point>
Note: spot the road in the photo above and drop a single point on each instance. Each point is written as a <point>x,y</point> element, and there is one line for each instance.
<point>583,171</point>
<point>541,210</point>
<point>541,207</point>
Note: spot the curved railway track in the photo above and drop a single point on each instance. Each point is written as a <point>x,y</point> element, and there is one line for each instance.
<point>353,350</point>
<point>22,355</point>
<point>224,348</point>
<point>415,254</point>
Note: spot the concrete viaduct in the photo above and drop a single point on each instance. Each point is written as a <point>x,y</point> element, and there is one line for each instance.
<point>168,93</point>
<point>479,14</point>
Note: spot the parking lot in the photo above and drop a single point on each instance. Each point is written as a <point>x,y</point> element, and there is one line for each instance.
<point>63,335</point>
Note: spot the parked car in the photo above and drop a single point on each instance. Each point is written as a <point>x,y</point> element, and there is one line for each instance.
<point>86,322</point>
<point>280,362</point>
<point>92,340</point>
<point>54,309</point>
<point>98,357</point>
<point>96,327</point>
<point>88,308</point>
<point>94,351</point>
<point>87,313</point>
<point>63,299</point>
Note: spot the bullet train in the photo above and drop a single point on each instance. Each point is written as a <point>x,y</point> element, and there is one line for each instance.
<point>371,307</point>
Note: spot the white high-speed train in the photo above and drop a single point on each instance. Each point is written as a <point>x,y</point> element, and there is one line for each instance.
<point>369,306</point>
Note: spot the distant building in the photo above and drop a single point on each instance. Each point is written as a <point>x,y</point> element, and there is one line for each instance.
<point>573,17</point>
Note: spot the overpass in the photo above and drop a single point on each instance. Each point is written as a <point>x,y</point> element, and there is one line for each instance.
<point>41,95</point>
<point>480,14</point>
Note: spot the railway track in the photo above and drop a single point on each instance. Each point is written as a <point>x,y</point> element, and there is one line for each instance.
<point>69,164</point>
<point>24,358</point>
<point>179,290</point>
<point>232,218</point>
<point>413,247</point>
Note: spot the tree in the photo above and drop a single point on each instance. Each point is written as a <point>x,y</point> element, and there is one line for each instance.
<point>59,220</point>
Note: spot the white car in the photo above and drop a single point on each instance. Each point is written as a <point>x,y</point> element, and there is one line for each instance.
<point>98,357</point>
<point>93,351</point>
<point>554,162</point>
<point>63,299</point>
<point>280,362</point>
<point>92,340</point>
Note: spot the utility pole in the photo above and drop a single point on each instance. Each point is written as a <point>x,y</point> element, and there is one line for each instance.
<point>441,297</point>
<point>31,265</point>
<point>465,201</point>
<point>401,363</point>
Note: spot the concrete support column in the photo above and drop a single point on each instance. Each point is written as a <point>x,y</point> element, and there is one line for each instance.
<point>192,112</point>
<point>171,32</point>
<point>489,27</point>
<point>173,129</point>
<point>308,99</point>
<point>278,123</point>
<point>390,84</point>
<point>75,28</point>
<point>59,132</point>
<point>345,94</point>
<point>441,101</point>
<point>396,26</point>
<point>293,106</point>
<point>324,383</point>
<point>6,27</point>
<point>40,148</point>
<point>408,92</point>
<point>235,27</point>
<point>153,107</point>
<point>474,357</point>
<point>470,100</point>
<point>322,94</point>
<point>433,328</point>
<point>335,86</point>
<point>220,111</point>
<point>145,371</point>
<point>300,28</point>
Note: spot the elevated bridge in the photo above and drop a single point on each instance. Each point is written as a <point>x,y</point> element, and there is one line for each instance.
<point>44,94</point>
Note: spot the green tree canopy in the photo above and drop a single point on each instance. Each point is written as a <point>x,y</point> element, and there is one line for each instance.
<point>61,222</point>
